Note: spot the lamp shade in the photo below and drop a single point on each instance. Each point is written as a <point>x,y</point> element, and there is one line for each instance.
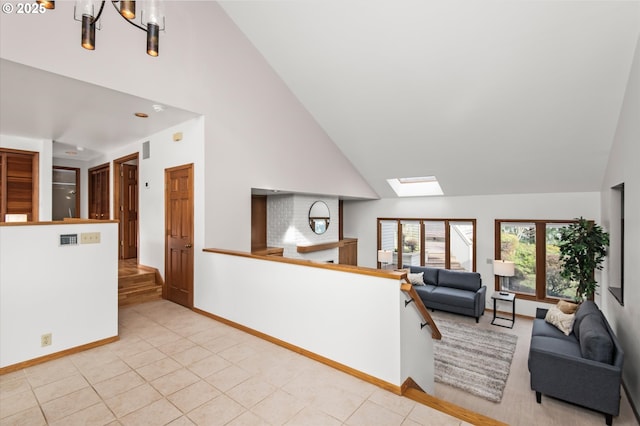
<point>503,268</point>
<point>385,256</point>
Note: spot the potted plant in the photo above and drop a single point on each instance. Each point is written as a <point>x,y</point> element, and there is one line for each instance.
<point>583,246</point>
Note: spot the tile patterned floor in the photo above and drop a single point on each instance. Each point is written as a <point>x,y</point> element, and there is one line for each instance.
<point>173,366</point>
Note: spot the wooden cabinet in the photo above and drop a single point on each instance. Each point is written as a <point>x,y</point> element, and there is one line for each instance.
<point>348,252</point>
<point>18,183</point>
<point>99,192</point>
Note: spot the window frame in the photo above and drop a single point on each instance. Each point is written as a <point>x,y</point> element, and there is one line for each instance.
<point>541,255</point>
<point>421,221</point>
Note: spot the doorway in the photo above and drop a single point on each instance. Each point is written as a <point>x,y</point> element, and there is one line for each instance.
<point>65,193</point>
<point>179,234</point>
<point>125,199</point>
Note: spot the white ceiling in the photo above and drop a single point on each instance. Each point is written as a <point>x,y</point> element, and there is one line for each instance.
<point>507,96</point>
<point>74,114</point>
<point>488,96</point>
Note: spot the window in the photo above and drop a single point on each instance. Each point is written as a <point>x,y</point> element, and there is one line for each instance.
<point>533,248</point>
<point>438,243</point>
<point>616,247</point>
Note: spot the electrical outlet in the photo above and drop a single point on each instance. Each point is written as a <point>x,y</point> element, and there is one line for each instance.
<point>90,238</point>
<point>45,340</point>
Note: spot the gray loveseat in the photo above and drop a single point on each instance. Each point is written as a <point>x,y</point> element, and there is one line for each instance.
<point>583,368</point>
<point>452,291</point>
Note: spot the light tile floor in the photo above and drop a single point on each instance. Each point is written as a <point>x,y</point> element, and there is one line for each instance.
<point>173,366</point>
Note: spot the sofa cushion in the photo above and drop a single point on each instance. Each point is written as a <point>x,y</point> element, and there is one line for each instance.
<point>567,307</point>
<point>470,281</point>
<point>430,274</point>
<point>564,322</point>
<point>587,307</point>
<point>416,279</point>
<point>453,296</point>
<point>543,328</point>
<point>563,347</point>
<point>595,342</point>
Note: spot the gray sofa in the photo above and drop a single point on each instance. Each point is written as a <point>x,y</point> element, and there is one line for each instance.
<point>452,291</point>
<point>584,368</point>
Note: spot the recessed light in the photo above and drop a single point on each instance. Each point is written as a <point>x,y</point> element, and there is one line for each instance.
<point>71,152</point>
<point>79,148</point>
<point>158,108</point>
<point>141,115</point>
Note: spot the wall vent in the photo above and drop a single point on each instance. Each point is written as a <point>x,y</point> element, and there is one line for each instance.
<point>146,150</point>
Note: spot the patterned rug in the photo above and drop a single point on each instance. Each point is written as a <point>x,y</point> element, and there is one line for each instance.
<point>472,359</point>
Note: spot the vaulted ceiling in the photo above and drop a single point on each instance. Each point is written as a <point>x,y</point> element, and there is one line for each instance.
<point>489,96</point>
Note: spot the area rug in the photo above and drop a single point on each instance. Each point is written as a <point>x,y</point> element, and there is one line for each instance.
<point>473,359</point>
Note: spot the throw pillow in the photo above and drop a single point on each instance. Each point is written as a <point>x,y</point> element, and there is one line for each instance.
<point>417,279</point>
<point>564,322</point>
<point>567,307</point>
<point>595,342</point>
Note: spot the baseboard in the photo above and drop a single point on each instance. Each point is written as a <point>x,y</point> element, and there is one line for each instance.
<point>56,355</point>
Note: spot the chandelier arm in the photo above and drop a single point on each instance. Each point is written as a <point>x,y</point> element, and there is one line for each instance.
<point>113,2</point>
<point>99,13</point>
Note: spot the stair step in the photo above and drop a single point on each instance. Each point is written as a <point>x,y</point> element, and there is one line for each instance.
<point>137,279</point>
<point>139,294</point>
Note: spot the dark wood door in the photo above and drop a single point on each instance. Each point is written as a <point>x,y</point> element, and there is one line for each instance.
<point>258,222</point>
<point>99,192</point>
<point>129,210</point>
<point>18,184</point>
<point>179,234</point>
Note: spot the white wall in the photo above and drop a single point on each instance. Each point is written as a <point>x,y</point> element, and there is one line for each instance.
<point>288,226</point>
<point>72,293</point>
<point>44,148</point>
<point>256,132</point>
<point>360,221</point>
<point>624,167</point>
<point>352,319</point>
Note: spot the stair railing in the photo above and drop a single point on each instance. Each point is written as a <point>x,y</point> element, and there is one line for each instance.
<point>415,298</point>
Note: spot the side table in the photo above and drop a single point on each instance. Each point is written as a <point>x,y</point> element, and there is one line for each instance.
<point>509,298</point>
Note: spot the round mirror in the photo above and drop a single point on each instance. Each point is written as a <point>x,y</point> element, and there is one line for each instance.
<point>319,217</point>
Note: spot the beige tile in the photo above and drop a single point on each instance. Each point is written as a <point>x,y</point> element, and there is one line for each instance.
<point>191,355</point>
<point>158,368</point>
<point>238,352</point>
<point>10,377</point>
<point>174,381</point>
<point>159,412</point>
<point>132,400</point>
<point>119,384</point>
<point>52,371</point>
<point>14,387</point>
<point>335,401</point>
<point>251,391</point>
<point>94,358</point>
<point>278,408</point>
<point>209,365</point>
<point>181,421</point>
<point>97,415</point>
<point>107,371</point>
<point>176,346</point>
<point>219,411</point>
<point>193,396</point>
<point>60,388</point>
<point>220,343</point>
<point>30,417</point>
<point>130,347</point>
<point>66,405</point>
<point>370,413</point>
<point>426,415</point>
<point>17,402</point>
<point>313,417</point>
<point>248,419</point>
<point>216,331</point>
<point>228,378</point>
<point>163,337</point>
<point>143,358</point>
<point>395,403</point>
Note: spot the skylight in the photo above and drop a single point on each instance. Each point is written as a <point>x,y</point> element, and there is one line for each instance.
<point>416,186</point>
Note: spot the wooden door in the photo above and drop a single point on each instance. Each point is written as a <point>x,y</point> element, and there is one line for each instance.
<point>99,192</point>
<point>258,222</point>
<point>19,183</point>
<point>129,210</point>
<point>179,234</point>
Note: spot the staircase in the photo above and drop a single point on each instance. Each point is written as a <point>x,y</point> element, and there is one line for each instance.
<point>137,284</point>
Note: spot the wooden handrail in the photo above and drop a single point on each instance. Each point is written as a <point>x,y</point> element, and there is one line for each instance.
<point>324,246</point>
<point>408,288</point>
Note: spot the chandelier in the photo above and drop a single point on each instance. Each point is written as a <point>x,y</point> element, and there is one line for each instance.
<point>151,16</point>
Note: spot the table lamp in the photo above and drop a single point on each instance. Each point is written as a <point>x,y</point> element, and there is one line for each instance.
<point>503,269</point>
<point>385,257</point>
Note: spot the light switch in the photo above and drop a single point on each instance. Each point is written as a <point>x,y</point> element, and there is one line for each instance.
<point>90,238</point>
